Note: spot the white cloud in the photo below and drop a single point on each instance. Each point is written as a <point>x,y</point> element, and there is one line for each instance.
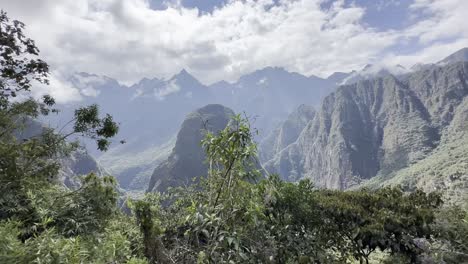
<point>127,40</point>
<point>262,81</point>
<point>62,90</point>
<point>87,83</point>
<point>170,88</point>
<point>441,32</point>
<point>446,20</point>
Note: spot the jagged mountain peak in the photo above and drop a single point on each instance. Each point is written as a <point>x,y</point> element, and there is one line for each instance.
<point>146,84</point>
<point>148,80</point>
<point>184,76</point>
<point>374,70</point>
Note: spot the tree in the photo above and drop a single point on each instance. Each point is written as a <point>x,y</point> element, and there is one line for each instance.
<point>29,165</point>
<point>17,62</point>
<point>230,217</point>
<point>41,221</point>
<point>231,155</point>
<point>386,219</point>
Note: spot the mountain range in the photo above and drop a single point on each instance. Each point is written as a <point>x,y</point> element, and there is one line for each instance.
<point>373,127</point>
<point>151,110</point>
<point>409,130</point>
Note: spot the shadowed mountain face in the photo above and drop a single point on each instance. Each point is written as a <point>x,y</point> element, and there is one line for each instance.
<point>375,127</point>
<point>187,159</point>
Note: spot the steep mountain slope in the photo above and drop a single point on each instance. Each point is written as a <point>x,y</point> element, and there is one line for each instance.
<point>286,133</point>
<point>338,77</point>
<point>460,55</point>
<point>78,163</point>
<point>444,170</point>
<point>375,127</point>
<point>187,159</point>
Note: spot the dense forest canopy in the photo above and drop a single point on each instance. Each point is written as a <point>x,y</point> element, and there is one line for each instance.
<point>235,214</point>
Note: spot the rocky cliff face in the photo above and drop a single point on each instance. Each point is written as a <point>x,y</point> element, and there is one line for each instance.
<point>77,164</point>
<point>187,159</point>
<point>376,127</point>
<point>286,133</point>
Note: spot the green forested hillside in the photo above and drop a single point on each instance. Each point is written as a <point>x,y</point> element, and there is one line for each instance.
<point>445,170</point>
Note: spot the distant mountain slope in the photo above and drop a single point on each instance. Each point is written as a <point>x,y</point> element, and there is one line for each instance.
<point>151,111</point>
<point>270,94</point>
<point>286,133</point>
<point>133,170</point>
<point>338,77</point>
<point>187,159</point>
<point>376,127</point>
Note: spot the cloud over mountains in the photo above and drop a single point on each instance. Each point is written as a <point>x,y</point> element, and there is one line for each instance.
<point>128,40</point>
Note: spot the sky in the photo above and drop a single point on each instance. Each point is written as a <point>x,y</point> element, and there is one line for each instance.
<point>223,39</point>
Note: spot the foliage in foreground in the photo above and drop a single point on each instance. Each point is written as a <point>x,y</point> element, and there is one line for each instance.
<point>40,220</point>
<point>229,218</point>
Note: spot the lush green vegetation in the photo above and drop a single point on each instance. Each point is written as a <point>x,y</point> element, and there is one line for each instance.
<point>233,215</point>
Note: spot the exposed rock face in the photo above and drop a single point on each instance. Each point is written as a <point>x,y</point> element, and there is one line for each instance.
<point>286,133</point>
<point>375,127</point>
<point>444,170</point>
<point>77,164</point>
<point>187,159</point>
